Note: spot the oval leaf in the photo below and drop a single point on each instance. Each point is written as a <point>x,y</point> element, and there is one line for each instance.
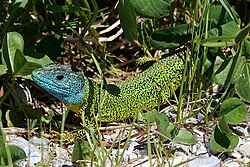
<point>242,85</point>
<point>127,16</point>
<point>162,122</point>
<point>184,136</point>
<point>224,71</point>
<point>15,152</point>
<point>247,48</point>
<point>77,153</point>
<point>11,43</point>
<point>151,8</point>
<point>234,111</point>
<point>219,16</point>
<point>233,14</point>
<point>171,37</point>
<point>222,141</point>
<point>3,69</point>
<point>171,131</point>
<point>21,66</point>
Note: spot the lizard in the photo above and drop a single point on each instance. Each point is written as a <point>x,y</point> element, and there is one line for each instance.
<point>115,102</point>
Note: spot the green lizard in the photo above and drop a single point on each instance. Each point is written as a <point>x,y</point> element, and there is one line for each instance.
<point>118,102</point>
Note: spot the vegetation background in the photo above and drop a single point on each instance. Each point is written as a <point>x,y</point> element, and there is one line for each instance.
<point>115,39</point>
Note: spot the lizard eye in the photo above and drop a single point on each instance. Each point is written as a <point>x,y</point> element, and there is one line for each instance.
<point>59,77</point>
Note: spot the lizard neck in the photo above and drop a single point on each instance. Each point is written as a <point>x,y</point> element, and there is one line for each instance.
<point>89,99</point>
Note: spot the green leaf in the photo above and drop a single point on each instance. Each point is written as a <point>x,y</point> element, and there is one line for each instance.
<point>222,124</point>
<point>242,34</point>
<point>16,154</point>
<point>44,60</point>
<point>212,42</point>
<point>82,151</point>
<point>223,35</point>
<point>65,9</point>
<point>171,131</point>
<point>184,136</point>
<point>8,118</point>
<point>230,11</point>
<point>19,61</point>
<point>36,113</point>
<point>77,153</point>
<point>229,29</point>
<point>12,42</point>
<point>3,69</point>
<point>224,72</point>
<point>247,48</point>
<point>151,8</point>
<point>21,66</point>
<point>14,117</point>
<point>222,141</point>
<point>219,16</point>
<point>223,28</point>
<point>47,118</point>
<point>127,16</point>
<point>162,122</point>
<point>17,9</point>
<point>242,85</point>
<point>150,116</point>
<point>233,110</point>
<point>171,37</point>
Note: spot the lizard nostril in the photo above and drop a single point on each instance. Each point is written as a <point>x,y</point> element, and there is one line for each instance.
<point>59,77</point>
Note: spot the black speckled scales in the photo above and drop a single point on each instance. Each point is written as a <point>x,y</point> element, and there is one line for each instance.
<point>140,92</point>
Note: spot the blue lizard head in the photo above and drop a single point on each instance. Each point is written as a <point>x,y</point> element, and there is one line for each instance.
<point>62,81</point>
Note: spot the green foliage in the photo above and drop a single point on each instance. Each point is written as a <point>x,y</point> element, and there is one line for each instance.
<point>12,56</point>
<point>127,17</point>
<point>77,152</point>
<point>184,136</point>
<point>161,121</point>
<point>242,34</point>
<point>233,111</point>
<point>242,85</point>
<point>212,34</point>
<point>82,151</point>
<point>49,42</point>
<point>222,141</point>
<point>172,37</point>
<point>169,130</point>
<point>8,154</point>
<point>228,71</point>
<point>151,8</point>
<point>16,64</point>
<point>16,154</point>
<point>3,69</point>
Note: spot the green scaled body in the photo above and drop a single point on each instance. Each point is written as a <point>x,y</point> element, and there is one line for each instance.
<point>116,102</point>
<point>141,92</point>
